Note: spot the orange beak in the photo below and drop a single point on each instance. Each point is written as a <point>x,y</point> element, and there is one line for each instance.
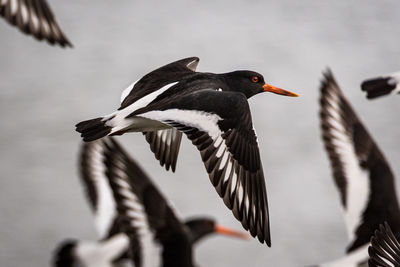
<point>279,91</point>
<point>226,231</point>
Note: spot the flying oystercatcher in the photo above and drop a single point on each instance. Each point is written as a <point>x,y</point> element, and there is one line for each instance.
<point>212,110</point>
<point>34,17</point>
<point>132,217</point>
<point>361,173</point>
<point>380,86</point>
<point>385,248</point>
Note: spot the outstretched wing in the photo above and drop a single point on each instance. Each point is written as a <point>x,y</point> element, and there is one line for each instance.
<point>34,17</point>
<point>146,215</point>
<point>157,79</point>
<point>361,172</point>
<point>385,248</point>
<point>164,143</point>
<point>380,86</point>
<point>97,188</point>
<point>220,126</point>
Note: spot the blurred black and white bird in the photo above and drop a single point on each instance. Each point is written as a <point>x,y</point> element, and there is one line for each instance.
<point>134,220</point>
<point>385,248</point>
<point>361,173</point>
<point>383,85</point>
<point>212,110</point>
<point>34,17</point>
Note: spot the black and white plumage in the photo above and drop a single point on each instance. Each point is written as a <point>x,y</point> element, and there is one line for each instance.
<point>110,252</point>
<point>385,248</point>
<point>212,110</point>
<point>133,219</point>
<point>383,85</point>
<point>147,218</point>
<point>34,17</point>
<point>113,244</point>
<point>361,173</point>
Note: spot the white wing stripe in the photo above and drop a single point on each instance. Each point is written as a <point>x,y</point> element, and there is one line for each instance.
<point>228,171</point>
<point>105,212</point>
<point>357,179</point>
<point>127,91</point>
<point>139,221</point>
<point>223,161</point>
<point>201,120</point>
<point>118,120</point>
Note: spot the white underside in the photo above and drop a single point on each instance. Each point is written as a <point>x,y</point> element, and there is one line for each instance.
<point>102,254</point>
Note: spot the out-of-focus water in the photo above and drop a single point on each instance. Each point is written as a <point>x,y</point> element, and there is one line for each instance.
<point>45,90</point>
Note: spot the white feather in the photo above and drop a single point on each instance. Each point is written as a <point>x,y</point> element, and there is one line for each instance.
<point>105,212</point>
<point>150,252</point>
<point>395,80</point>
<point>228,171</point>
<point>118,120</point>
<point>24,14</point>
<point>357,179</point>
<point>127,91</point>
<point>14,7</point>
<point>102,254</point>
<point>201,120</point>
<point>233,184</point>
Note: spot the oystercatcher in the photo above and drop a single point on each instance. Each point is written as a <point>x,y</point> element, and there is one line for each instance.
<point>380,86</point>
<point>34,17</point>
<point>138,209</point>
<point>361,173</point>
<point>385,248</point>
<point>212,110</point>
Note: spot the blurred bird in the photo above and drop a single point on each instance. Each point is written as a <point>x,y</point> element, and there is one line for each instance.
<point>132,217</point>
<point>34,17</point>
<point>212,110</point>
<point>361,173</point>
<point>380,86</point>
<point>385,248</point>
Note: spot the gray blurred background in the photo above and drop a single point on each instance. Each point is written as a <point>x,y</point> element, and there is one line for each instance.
<point>45,91</point>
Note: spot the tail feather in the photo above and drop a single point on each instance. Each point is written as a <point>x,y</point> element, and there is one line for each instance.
<point>93,129</point>
<point>378,87</point>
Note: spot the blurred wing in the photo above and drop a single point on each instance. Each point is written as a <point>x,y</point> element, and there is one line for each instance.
<point>385,248</point>
<point>147,217</point>
<point>362,175</point>
<point>97,187</point>
<point>219,124</point>
<point>380,86</point>
<point>34,17</point>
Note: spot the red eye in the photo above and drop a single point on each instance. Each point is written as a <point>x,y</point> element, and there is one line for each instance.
<point>254,79</point>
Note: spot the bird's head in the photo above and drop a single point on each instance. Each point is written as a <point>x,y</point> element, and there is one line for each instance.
<point>251,83</point>
<point>200,227</point>
<point>65,255</point>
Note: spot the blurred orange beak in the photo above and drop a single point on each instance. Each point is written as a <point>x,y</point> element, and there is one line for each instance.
<point>279,91</point>
<point>226,231</point>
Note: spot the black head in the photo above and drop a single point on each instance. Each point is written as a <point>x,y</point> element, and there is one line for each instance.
<point>64,255</point>
<point>251,83</point>
<point>201,227</point>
